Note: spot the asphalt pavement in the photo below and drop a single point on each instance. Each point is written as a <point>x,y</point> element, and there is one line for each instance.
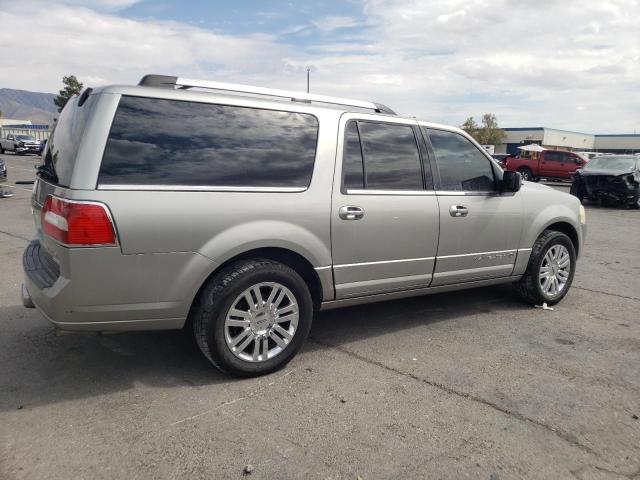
<point>470,384</point>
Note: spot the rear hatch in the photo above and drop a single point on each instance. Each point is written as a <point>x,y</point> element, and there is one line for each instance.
<point>60,155</point>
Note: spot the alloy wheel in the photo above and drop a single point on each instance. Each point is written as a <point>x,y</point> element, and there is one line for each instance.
<point>555,270</point>
<point>261,322</point>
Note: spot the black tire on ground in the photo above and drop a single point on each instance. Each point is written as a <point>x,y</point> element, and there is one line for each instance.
<point>526,173</point>
<point>217,297</point>
<point>1,149</point>
<point>528,287</point>
<point>576,191</point>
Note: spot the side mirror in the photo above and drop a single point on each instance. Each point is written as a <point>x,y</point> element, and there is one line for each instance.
<point>511,182</point>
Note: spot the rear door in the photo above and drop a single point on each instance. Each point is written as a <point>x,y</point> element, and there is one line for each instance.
<point>553,164</point>
<point>479,227</point>
<point>384,216</point>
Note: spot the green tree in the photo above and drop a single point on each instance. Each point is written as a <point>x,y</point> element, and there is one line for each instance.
<point>71,87</point>
<point>487,133</point>
<point>470,126</point>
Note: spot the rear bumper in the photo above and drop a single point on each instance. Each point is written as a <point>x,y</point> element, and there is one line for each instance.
<point>100,289</point>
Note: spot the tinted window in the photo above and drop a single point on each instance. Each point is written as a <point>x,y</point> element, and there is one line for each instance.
<point>391,157</point>
<point>167,142</point>
<point>462,166</point>
<point>352,158</point>
<point>64,141</point>
<point>554,156</point>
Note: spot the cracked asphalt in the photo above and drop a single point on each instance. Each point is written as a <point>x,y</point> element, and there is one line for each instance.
<point>470,384</point>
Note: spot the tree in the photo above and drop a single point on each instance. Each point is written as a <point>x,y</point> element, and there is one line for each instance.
<point>488,133</point>
<point>470,126</point>
<point>71,87</point>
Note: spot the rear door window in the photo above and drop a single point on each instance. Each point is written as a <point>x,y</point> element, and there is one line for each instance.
<point>381,156</point>
<point>554,157</point>
<point>177,143</point>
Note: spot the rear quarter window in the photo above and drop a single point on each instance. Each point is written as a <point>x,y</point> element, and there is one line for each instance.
<point>179,143</point>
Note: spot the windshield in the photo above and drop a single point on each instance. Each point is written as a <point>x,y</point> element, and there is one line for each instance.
<point>25,137</point>
<point>611,163</point>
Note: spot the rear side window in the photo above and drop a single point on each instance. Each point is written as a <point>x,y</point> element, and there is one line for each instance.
<point>461,165</point>
<point>381,156</point>
<point>168,142</point>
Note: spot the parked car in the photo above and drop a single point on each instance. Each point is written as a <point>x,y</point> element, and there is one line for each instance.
<point>43,144</point>
<point>611,179</point>
<point>547,164</point>
<point>19,144</point>
<point>501,157</point>
<point>3,171</point>
<point>241,215</point>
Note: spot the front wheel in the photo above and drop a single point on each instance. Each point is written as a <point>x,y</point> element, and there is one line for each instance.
<point>550,270</point>
<point>253,317</point>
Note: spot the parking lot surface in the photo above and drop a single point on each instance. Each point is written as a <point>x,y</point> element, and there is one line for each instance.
<point>471,384</point>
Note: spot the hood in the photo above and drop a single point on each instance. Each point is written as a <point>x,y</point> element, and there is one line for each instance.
<point>533,186</point>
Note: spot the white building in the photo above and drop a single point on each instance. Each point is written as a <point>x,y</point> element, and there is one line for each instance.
<point>555,139</point>
<point>13,121</point>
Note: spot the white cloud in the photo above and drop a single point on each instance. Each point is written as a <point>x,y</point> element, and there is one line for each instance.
<point>441,60</point>
<point>105,48</point>
<point>332,23</point>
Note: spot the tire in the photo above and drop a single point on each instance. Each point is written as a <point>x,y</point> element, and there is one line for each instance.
<point>530,286</point>
<point>216,332</point>
<point>576,191</point>
<point>526,174</point>
<point>1,150</point>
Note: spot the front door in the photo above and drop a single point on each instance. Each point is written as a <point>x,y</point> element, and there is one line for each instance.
<point>384,216</point>
<point>479,228</point>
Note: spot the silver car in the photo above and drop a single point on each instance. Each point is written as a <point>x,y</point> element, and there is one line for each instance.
<point>239,211</point>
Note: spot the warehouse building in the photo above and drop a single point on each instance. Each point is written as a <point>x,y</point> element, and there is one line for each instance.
<point>555,139</point>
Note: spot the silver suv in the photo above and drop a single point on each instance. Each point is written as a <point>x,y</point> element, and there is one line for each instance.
<point>239,211</point>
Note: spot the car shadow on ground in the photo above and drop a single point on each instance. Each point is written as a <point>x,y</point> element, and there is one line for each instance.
<point>39,366</point>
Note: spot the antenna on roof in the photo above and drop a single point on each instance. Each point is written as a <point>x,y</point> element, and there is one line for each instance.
<point>168,81</point>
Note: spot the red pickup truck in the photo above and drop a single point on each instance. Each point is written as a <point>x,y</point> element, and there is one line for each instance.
<point>547,164</point>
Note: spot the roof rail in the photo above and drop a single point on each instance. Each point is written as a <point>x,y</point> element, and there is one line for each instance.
<point>168,81</point>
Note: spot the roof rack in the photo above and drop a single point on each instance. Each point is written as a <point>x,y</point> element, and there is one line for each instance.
<point>168,81</point>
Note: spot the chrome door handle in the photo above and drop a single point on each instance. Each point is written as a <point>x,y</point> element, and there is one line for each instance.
<point>350,212</point>
<point>458,211</point>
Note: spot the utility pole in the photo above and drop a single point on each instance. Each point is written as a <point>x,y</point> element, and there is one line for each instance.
<point>308,70</point>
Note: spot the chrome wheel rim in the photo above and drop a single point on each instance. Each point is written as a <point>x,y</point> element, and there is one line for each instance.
<point>555,270</point>
<point>261,322</point>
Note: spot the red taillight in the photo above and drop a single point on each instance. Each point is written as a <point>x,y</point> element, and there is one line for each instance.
<point>76,223</point>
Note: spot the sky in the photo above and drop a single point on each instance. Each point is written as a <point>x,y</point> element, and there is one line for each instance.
<point>568,64</point>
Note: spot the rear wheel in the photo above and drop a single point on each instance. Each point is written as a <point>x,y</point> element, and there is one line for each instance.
<point>526,174</point>
<point>550,270</point>
<point>253,317</point>
<point>1,149</point>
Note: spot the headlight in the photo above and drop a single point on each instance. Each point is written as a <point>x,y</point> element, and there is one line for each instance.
<point>583,215</point>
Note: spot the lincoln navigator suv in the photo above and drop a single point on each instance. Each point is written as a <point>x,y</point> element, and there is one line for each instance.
<point>239,211</point>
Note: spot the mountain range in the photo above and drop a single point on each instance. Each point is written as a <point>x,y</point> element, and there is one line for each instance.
<point>24,105</point>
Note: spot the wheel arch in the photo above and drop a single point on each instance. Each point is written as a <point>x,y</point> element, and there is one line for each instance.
<point>568,229</point>
<point>287,257</point>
